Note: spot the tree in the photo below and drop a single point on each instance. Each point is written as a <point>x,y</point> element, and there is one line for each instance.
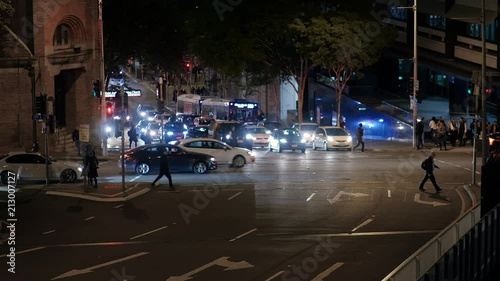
<point>6,12</point>
<point>343,44</point>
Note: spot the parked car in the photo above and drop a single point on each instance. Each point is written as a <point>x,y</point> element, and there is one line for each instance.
<point>31,167</point>
<point>258,135</point>
<point>224,153</point>
<point>330,137</point>
<point>307,130</point>
<point>146,159</point>
<point>287,139</point>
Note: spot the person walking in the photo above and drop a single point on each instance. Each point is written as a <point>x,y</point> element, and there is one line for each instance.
<point>428,165</point>
<point>75,135</point>
<point>91,164</point>
<point>132,137</point>
<point>453,131</point>
<point>442,135</point>
<point>420,133</point>
<point>164,169</point>
<point>359,136</point>
<point>433,126</point>
<point>462,128</point>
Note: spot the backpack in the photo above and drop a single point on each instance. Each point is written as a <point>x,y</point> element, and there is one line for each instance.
<point>424,164</point>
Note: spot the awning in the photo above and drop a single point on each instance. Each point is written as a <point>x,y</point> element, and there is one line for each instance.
<point>470,14</point>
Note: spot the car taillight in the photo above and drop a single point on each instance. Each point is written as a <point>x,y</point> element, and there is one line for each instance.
<point>492,140</point>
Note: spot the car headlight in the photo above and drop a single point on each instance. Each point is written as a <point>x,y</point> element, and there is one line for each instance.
<point>128,118</point>
<point>329,138</point>
<point>143,130</point>
<point>228,136</point>
<point>170,133</point>
<point>143,114</point>
<point>108,129</point>
<point>303,141</point>
<point>153,133</point>
<point>151,118</point>
<point>249,137</point>
<point>306,135</point>
<point>79,169</point>
<point>251,153</point>
<point>349,139</point>
<point>268,132</point>
<point>212,159</point>
<point>117,118</point>
<point>283,140</point>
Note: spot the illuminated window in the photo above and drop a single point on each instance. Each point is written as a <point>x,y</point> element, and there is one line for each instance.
<point>400,14</point>
<point>437,21</point>
<point>474,30</point>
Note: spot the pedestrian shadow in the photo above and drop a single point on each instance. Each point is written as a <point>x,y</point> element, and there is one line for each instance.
<point>132,213</point>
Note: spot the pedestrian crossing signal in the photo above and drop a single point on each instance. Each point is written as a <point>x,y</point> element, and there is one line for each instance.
<point>97,88</point>
<point>470,88</point>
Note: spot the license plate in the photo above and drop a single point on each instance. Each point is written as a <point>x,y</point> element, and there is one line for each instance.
<point>240,141</point>
<point>295,145</point>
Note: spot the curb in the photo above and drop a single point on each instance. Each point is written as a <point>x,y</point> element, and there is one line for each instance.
<point>98,199</point>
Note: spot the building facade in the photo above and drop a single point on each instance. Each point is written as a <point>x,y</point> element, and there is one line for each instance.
<point>52,48</point>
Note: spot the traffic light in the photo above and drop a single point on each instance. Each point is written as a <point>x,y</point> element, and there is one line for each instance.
<point>470,88</point>
<point>97,88</point>
<point>41,104</point>
<point>109,108</point>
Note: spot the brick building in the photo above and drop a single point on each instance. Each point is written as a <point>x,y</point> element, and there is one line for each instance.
<point>50,47</point>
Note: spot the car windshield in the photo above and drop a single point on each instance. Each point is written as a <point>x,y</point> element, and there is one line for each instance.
<point>174,127</point>
<point>308,127</point>
<point>154,126</point>
<point>291,133</point>
<point>336,132</point>
<point>146,108</point>
<point>258,130</point>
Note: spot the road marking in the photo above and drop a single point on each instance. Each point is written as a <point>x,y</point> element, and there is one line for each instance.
<point>275,275</point>
<point>362,224</point>
<point>471,195</point>
<point>327,272</point>
<point>97,199</point>
<point>207,190</point>
<point>25,251</point>
<point>89,218</point>
<point>48,232</point>
<point>136,178</point>
<point>75,272</point>
<point>462,209</point>
<point>246,233</point>
<point>222,262</point>
<point>310,197</point>
<point>433,203</point>
<point>118,206</point>
<point>152,231</point>
<point>337,197</point>
<point>234,196</point>
<point>389,193</point>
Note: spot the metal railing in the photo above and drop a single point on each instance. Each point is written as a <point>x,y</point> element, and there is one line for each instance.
<point>468,249</point>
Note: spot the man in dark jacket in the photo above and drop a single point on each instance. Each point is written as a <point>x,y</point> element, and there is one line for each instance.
<point>419,132</point>
<point>429,172</point>
<point>359,136</point>
<point>164,169</point>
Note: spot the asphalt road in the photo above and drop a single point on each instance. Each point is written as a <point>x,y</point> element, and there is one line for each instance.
<point>333,215</point>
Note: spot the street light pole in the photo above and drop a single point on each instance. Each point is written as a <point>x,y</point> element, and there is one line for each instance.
<point>104,135</point>
<point>415,73</point>
<point>484,127</point>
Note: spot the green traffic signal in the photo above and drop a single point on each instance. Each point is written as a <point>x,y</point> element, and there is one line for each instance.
<point>470,88</point>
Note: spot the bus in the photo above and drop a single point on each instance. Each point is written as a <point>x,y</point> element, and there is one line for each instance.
<point>236,109</point>
<point>188,104</point>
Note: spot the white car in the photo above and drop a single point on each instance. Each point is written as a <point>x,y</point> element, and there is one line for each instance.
<point>258,135</point>
<point>330,137</point>
<point>224,153</point>
<point>307,130</point>
<point>31,167</point>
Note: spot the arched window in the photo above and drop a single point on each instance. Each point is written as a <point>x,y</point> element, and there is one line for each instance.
<point>62,36</point>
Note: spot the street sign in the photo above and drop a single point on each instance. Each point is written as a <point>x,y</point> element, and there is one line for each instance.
<point>84,133</point>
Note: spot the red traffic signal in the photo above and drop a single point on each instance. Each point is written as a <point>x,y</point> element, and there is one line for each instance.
<point>109,109</point>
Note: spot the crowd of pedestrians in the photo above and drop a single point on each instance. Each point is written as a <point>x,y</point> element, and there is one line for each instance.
<point>451,132</point>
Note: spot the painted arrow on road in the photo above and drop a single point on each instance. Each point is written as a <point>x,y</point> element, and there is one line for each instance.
<point>337,197</point>
<point>75,272</point>
<point>433,203</point>
<point>222,261</point>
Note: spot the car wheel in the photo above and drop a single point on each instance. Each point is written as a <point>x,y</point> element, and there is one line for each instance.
<point>270,148</point>
<point>325,146</point>
<point>293,150</point>
<point>279,148</point>
<point>238,161</point>
<point>314,145</point>
<point>303,151</point>
<point>200,168</point>
<point>67,176</point>
<point>142,168</point>
<point>4,177</point>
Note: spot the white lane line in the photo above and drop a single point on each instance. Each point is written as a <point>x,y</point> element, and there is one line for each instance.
<point>89,218</point>
<point>362,224</point>
<point>206,190</point>
<point>25,251</point>
<point>246,233</point>
<point>310,197</point>
<point>275,275</point>
<point>118,206</point>
<point>47,232</point>
<point>389,193</point>
<point>152,231</point>
<point>327,272</point>
<point>234,196</point>
<point>136,178</point>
